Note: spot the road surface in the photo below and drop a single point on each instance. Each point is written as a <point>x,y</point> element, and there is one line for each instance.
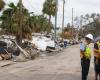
<point>62,66</point>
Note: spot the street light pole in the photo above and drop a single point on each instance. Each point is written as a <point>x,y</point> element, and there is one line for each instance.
<point>72,24</point>
<point>63,18</point>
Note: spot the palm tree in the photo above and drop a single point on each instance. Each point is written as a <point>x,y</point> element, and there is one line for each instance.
<point>43,23</point>
<point>40,23</point>
<point>49,8</point>
<point>2,3</point>
<point>10,22</point>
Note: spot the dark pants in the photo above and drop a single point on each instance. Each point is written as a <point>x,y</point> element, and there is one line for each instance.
<point>97,67</point>
<point>85,64</point>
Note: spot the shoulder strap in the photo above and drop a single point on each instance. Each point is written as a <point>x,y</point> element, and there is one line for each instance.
<point>85,47</point>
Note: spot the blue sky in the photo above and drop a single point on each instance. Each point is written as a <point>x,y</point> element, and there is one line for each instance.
<point>80,7</point>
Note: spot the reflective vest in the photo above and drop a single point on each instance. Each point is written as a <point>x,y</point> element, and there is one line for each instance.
<point>98,43</point>
<point>97,50</point>
<point>88,52</point>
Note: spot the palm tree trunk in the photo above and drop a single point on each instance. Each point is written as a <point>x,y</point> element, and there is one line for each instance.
<point>49,18</point>
<point>19,40</point>
<point>49,29</point>
<point>20,22</point>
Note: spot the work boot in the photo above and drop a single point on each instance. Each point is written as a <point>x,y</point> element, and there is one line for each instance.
<point>97,76</point>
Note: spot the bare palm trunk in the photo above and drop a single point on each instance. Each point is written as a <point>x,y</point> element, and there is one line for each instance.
<point>20,22</point>
<point>49,29</point>
<point>19,40</point>
<point>22,50</point>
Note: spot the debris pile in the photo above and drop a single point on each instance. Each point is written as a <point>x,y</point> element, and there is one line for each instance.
<point>39,45</point>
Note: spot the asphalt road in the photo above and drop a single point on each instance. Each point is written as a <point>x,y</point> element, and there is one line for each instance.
<point>62,66</point>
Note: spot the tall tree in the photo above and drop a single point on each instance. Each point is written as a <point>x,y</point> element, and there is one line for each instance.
<point>49,8</point>
<point>2,3</point>
<point>10,22</point>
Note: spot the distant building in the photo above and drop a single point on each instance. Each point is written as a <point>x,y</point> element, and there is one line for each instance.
<point>92,28</point>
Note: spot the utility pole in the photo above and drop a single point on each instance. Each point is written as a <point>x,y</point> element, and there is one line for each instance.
<point>72,25</point>
<point>20,22</point>
<point>56,18</point>
<point>63,18</point>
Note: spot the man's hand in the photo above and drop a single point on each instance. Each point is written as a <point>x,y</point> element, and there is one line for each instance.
<point>97,52</point>
<point>82,54</point>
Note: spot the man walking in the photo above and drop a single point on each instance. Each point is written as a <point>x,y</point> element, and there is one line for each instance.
<point>85,54</point>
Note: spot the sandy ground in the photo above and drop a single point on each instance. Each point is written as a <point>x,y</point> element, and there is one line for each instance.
<point>62,66</point>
